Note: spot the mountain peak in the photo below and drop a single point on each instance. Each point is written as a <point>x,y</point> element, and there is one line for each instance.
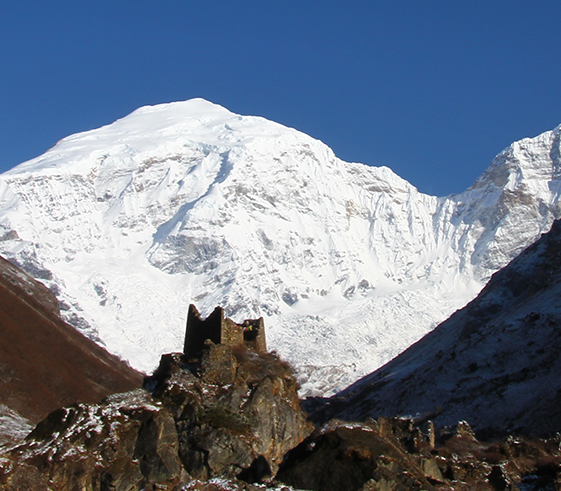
<point>187,202</point>
<point>527,162</point>
<point>191,108</point>
<point>156,132</point>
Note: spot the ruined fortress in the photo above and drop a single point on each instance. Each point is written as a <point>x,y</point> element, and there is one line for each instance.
<point>221,331</point>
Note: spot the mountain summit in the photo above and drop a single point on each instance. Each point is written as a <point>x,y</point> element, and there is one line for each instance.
<point>187,202</point>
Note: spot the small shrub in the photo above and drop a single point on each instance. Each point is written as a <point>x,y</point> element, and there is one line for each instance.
<point>254,367</point>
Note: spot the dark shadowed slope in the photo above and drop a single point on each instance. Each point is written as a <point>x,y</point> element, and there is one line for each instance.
<point>44,362</point>
<point>495,363</point>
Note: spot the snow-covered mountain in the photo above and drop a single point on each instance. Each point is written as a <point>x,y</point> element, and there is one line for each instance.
<point>188,202</point>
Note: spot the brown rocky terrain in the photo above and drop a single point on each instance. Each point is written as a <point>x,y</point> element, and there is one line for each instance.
<point>232,422</point>
<point>234,415</point>
<point>393,454</point>
<point>45,363</point>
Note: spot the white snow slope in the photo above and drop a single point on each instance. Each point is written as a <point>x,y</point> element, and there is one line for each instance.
<point>188,202</point>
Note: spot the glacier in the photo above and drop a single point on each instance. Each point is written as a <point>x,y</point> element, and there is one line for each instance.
<point>187,202</point>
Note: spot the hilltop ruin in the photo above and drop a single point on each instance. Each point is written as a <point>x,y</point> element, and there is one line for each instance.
<point>223,331</point>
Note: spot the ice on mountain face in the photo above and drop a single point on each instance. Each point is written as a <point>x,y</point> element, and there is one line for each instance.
<point>514,201</point>
<point>187,202</point>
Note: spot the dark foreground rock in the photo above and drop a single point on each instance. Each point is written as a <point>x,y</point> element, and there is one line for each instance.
<point>188,437</point>
<point>392,454</point>
<point>352,457</point>
<point>234,415</point>
<point>128,442</point>
<point>239,416</point>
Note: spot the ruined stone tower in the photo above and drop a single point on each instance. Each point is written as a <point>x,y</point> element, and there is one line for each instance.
<point>221,330</point>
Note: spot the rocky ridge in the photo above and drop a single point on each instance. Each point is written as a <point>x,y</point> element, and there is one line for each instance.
<point>395,454</point>
<point>44,362</point>
<point>130,442</point>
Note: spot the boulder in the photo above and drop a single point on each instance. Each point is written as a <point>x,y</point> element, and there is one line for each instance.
<point>125,443</point>
<point>353,457</point>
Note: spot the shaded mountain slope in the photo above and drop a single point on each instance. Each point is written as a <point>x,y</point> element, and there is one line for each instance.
<point>495,363</point>
<point>44,362</point>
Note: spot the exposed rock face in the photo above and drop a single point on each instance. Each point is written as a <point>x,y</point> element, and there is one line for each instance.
<point>243,408</point>
<point>44,362</point>
<point>128,442</point>
<point>392,454</point>
<point>349,457</point>
<point>200,430</point>
<point>200,422</point>
<point>494,363</point>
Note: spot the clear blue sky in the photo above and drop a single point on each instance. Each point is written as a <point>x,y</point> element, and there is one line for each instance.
<point>432,89</point>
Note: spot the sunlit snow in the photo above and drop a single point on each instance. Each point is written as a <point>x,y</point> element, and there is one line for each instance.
<point>188,202</point>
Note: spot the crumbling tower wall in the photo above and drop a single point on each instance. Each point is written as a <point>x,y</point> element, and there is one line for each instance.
<point>254,335</point>
<point>221,330</point>
<point>199,330</point>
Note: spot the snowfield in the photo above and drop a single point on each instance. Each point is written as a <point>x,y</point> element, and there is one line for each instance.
<point>189,203</point>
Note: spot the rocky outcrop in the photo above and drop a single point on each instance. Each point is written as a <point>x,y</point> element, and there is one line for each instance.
<point>352,457</point>
<point>393,454</point>
<point>238,416</point>
<point>128,442</point>
<point>44,362</point>
<point>234,415</point>
<point>194,430</point>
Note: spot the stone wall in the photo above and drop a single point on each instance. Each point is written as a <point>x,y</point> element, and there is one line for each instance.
<point>221,330</point>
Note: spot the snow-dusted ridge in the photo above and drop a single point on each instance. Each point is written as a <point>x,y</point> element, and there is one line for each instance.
<point>188,202</point>
<point>494,363</point>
